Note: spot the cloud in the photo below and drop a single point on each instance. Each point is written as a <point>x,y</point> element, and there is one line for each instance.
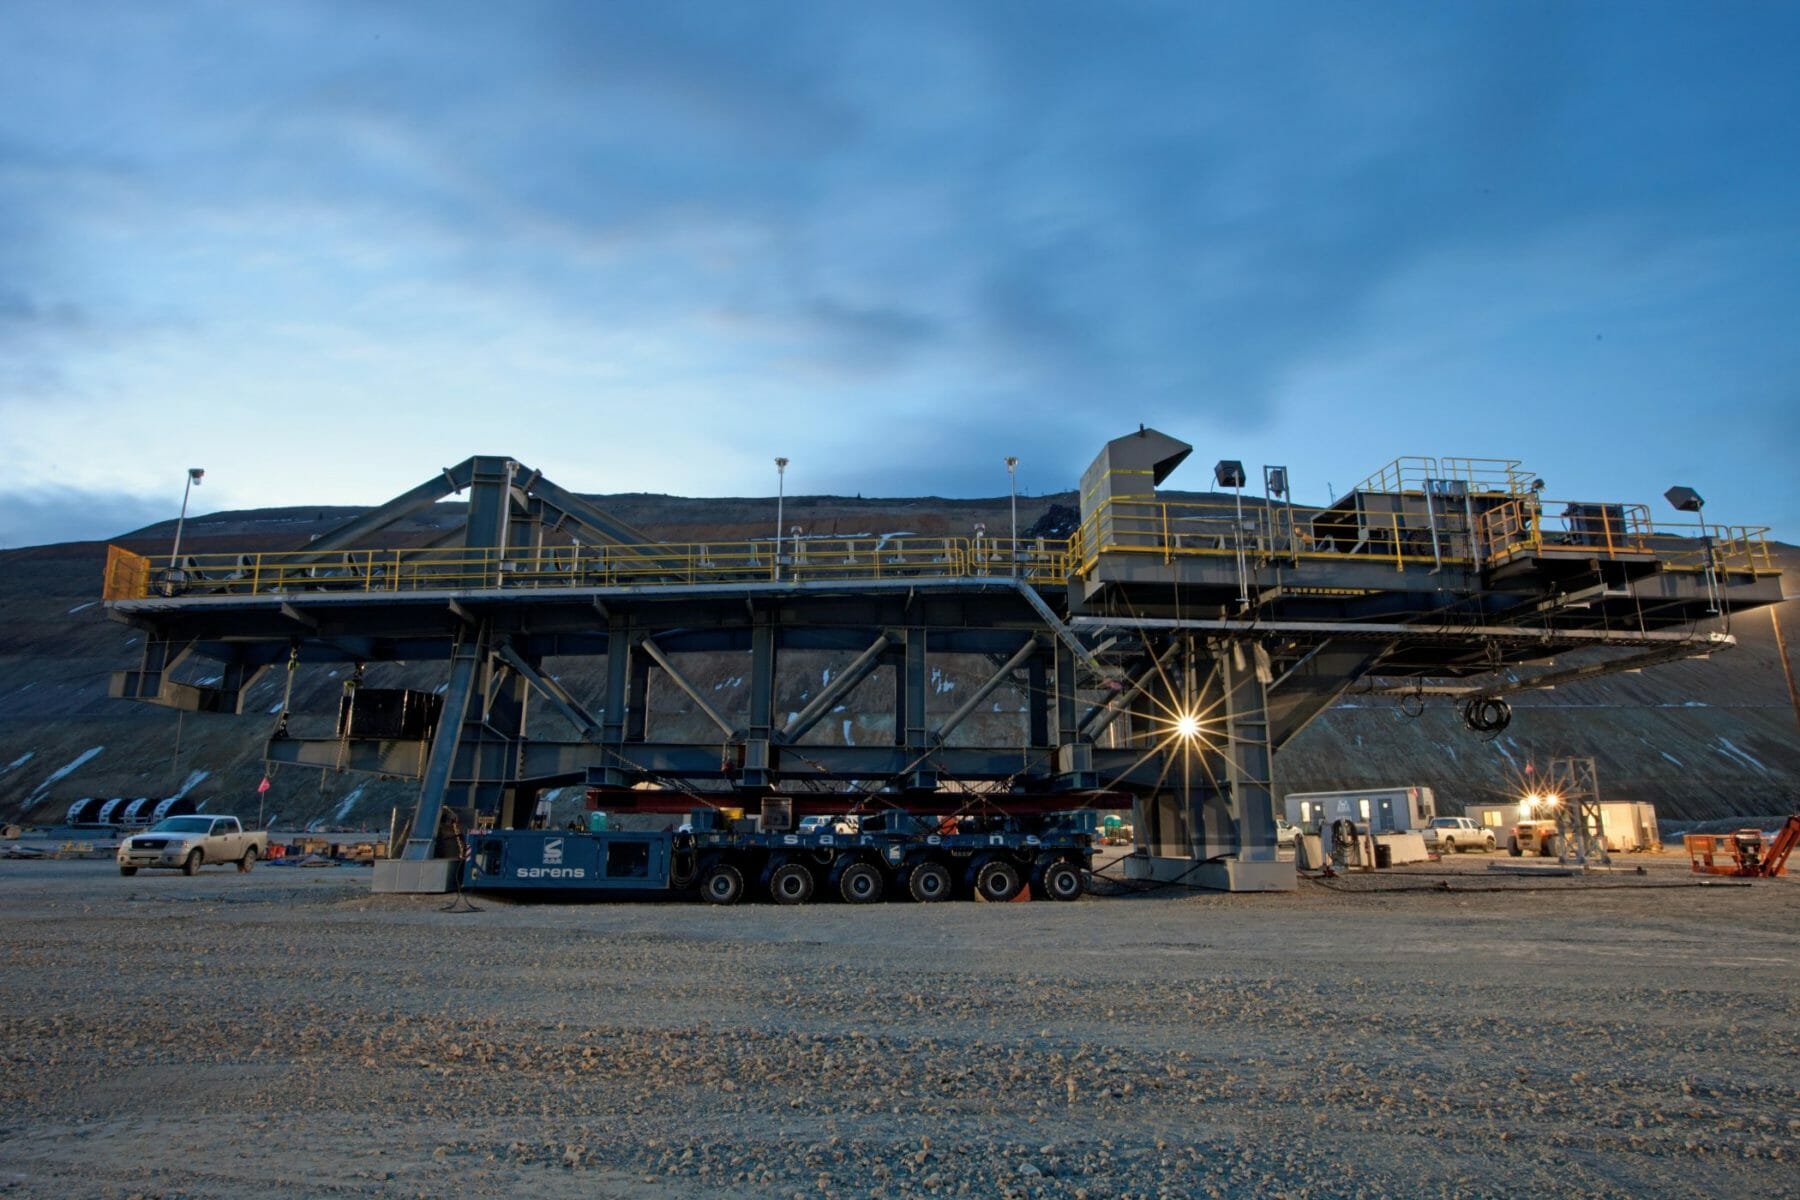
<point>52,515</point>
<point>946,230</point>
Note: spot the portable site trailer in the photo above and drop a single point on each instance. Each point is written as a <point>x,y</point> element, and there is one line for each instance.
<point>1628,826</point>
<point>1383,810</point>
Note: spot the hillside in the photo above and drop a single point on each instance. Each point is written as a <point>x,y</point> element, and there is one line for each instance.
<point>1701,740</point>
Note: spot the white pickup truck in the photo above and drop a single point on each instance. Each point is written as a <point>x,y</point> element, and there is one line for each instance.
<point>1453,835</point>
<point>189,843</point>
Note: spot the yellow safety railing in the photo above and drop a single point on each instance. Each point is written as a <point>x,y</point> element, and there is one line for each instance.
<point>1530,525</point>
<point>1169,531</point>
<point>1217,529</point>
<point>1738,549</point>
<point>132,576</point>
<point>1536,527</point>
<point>1414,473</point>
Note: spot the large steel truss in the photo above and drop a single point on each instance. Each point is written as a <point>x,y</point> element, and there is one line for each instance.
<point>1163,656</point>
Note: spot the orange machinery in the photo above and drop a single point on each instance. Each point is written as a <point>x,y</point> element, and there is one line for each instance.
<point>1743,853</point>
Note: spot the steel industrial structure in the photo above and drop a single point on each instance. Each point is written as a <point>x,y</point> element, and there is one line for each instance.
<point>1165,652</point>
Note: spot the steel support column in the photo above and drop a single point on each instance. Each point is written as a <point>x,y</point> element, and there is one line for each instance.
<point>761,732</point>
<point>465,677</point>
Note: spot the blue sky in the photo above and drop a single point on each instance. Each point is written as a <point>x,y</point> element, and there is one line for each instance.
<point>322,249</point>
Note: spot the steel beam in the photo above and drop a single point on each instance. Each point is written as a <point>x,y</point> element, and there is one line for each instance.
<point>693,693</point>
<point>1095,721</point>
<point>465,671</point>
<point>448,483</point>
<point>841,685</point>
<point>558,697</point>
<point>1317,681</point>
<point>1424,631</point>
<point>1019,659</point>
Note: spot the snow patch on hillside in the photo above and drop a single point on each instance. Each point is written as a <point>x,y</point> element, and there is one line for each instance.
<point>1731,751</point>
<point>342,811</point>
<point>194,780</point>
<point>43,788</point>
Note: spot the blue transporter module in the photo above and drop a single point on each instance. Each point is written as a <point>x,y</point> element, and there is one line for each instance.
<point>900,856</point>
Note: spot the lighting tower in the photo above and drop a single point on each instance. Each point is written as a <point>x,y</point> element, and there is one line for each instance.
<point>194,475</point>
<point>1012,484</point>
<point>780,495</point>
<point>1686,499</point>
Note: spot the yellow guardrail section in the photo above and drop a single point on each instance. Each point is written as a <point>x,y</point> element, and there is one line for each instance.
<point>1525,525</point>
<point>131,576</point>
<point>1413,473</point>
<point>1216,529</point>
<point>1531,526</point>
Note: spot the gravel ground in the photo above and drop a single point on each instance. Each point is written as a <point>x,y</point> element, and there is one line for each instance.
<point>284,1033</point>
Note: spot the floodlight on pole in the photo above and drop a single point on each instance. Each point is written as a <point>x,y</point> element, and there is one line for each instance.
<point>780,495</point>
<point>1229,472</point>
<point>1686,499</point>
<point>1275,487</point>
<point>1012,485</point>
<point>194,476</point>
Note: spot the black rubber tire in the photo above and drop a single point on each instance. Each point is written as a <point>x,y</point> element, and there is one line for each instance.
<point>998,880</point>
<point>722,884</point>
<point>1061,881</point>
<point>1512,847</point>
<point>246,863</point>
<point>1550,846</point>
<point>194,860</point>
<point>861,883</point>
<point>929,882</point>
<point>128,870</point>
<point>1447,846</point>
<point>791,883</point>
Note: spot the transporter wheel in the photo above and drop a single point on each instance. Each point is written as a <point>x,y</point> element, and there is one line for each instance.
<point>248,861</point>
<point>929,882</point>
<point>128,870</point>
<point>861,883</point>
<point>723,884</point>
<point>192,865</point>
<point>791,883</point>
<point>1061,881</point>
<point>998,880</point>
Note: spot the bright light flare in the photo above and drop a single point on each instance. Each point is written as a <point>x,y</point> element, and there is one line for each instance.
<point>1536,802</point>
<point>1187,726</point>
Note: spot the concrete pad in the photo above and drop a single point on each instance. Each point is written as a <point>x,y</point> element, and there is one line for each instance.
<point>1225,875</point>
<point>431,876</point>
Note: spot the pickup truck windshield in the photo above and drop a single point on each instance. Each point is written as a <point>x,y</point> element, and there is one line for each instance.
<point>183,825</point>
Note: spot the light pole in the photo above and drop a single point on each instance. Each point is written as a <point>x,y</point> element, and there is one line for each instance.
<point>1686,499</point>
<point>1012,484</point>
<point>780,495</point>
<point>194,476</point>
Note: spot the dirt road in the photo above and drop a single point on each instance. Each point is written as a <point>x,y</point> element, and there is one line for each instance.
<point>283,1033</point>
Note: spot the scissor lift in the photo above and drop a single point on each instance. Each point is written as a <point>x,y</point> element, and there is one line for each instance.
<point>1743,854</point>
